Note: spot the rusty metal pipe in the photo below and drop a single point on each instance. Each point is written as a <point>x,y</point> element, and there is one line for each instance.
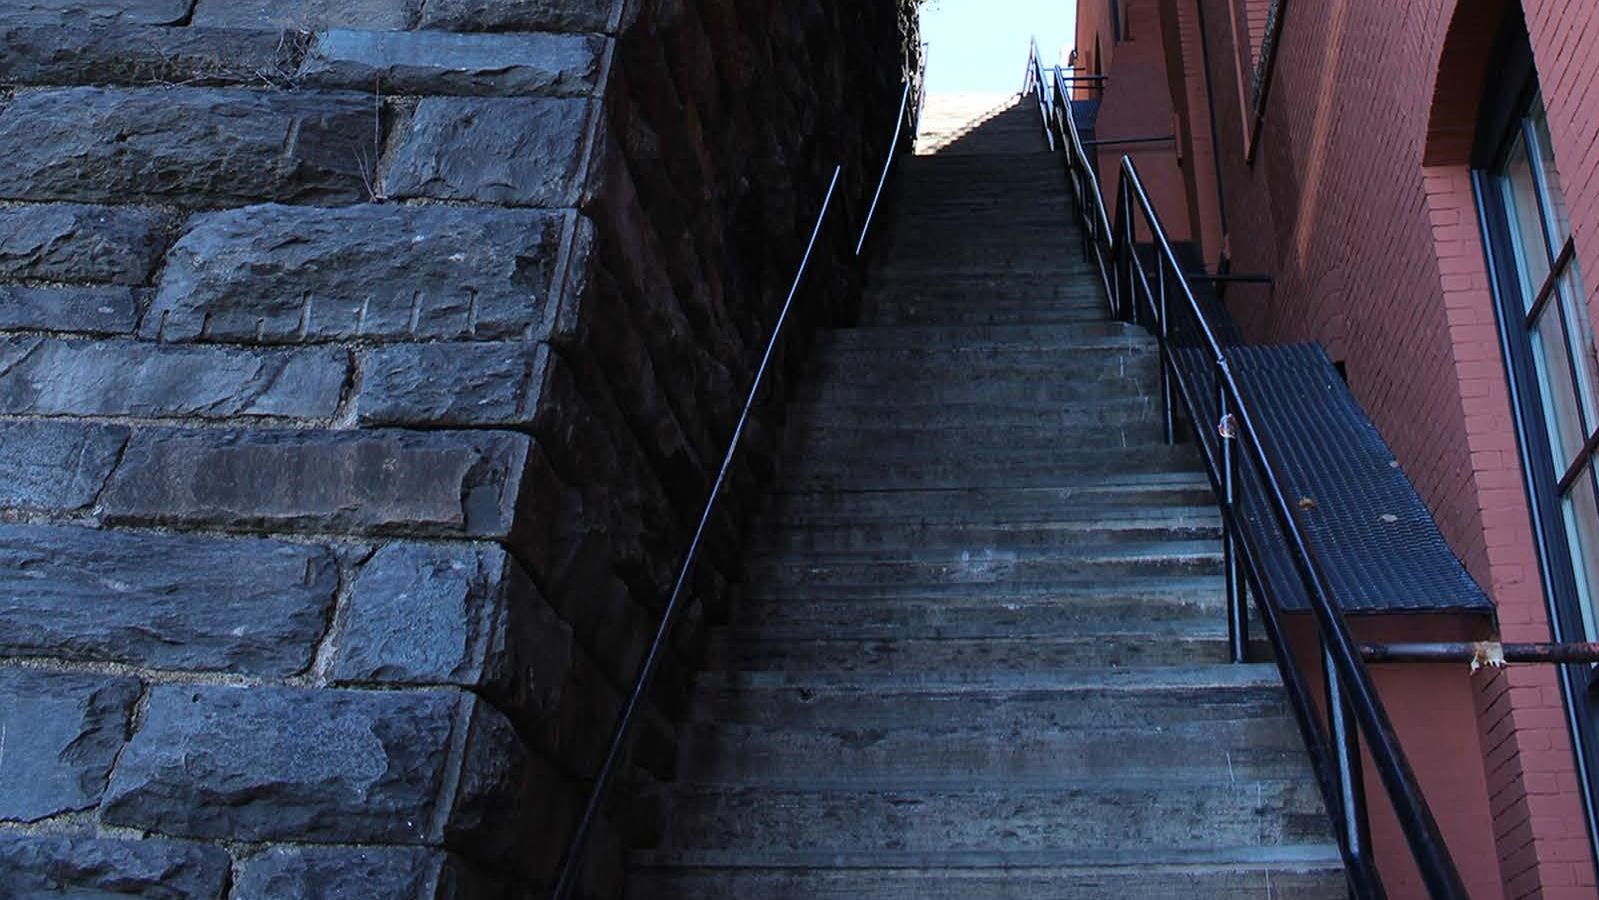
<point>1480,653</point>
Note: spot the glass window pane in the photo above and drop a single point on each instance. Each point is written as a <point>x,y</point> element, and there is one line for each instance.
<point>1554,192</point>
<point>1526,227</point>
<point>1561,415</point>
<point>1582,530</point>
<point>1584,359</point>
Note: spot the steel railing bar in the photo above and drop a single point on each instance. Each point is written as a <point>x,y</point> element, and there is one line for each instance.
<point>1354,708</point>
<point>620,738</point>
<point>1106,142</point>
<point>888,167</point>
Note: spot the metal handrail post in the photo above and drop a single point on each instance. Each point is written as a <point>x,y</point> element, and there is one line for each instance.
<point>1353,818</point>
<point>1227,439</point>
<point>1167,413</point>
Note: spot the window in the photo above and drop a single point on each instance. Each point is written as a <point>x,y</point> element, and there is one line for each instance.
<point>1539,263</point>
<point>1550,358</point>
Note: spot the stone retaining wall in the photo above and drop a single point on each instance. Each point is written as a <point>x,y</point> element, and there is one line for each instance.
<point>363,366</point>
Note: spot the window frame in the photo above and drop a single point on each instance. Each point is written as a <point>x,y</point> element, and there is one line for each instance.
<point>1503,119</point>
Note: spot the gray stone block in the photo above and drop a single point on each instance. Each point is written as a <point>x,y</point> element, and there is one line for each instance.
<point>88,310</point>
<point>40,866</point>
<point>147,55</point>
<point>434,62</point>
<point>417,614</point>
<point>451,384</point>
<point>56,465</point>
<point>521,152</point>
<point>468,616</point>
<point>342,873</point>
<point>437,483</point>
<point>307,15</point>
<point>60,733</point>
<point>52,376</point>
<point>521,15</point>
<point>72,242</point>
<point>251,607</point>
<point>97,12</point>
<point>319,766</point>
<point>284,273</point>
<point>199,146</point>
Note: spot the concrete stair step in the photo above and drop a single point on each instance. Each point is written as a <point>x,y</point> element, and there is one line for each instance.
<point>1302,872</point>
<point>1000,367</point>
<point>930,449</point>
<point>1021,161</point>
<point>1052,394</point>
<point>971,424</point>
<point>975,568</point>
<point>1020,140</point>
<point>1165,606</point>
<point>1224,751</point>
<point>1106,527</point>
<point>999,294</point>
<point>1067,265</point>
<point>1145,697</point>
<point>914,313</point>
<point>822,472</point>
<point>1089,497</point>
<point>750,650</point>
<point>1002,343</point>
<point>1165,813</point>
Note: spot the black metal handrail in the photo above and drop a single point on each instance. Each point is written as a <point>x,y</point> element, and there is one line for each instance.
<point>620,739</point>
<point>1354,708</point>
<point>1033,82</point>
<point>916,85</point>
<point>616,751</point>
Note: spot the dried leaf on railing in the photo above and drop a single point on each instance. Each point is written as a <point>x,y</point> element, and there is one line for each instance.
<point>1307,503</point>
<point>1227,427</point>
<point>1487,653</point>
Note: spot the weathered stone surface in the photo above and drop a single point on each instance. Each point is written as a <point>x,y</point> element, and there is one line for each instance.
<point>185,145</point>
<point>315,765</point>
<point>436,62</point>
<point>98,12</point>
<point>468,616</point>
<point>56,465</point>
<point>147,55</point>
<point>52,376</point>
<point>521,15</point>
<point>307,15</point>
<point>339,873</point>
<point>417,614</point>
<point>451,384</point>
<point>62,731</point>
<point>253,607</point>
<point>282,273</point>
<point>72,242</point>
<point>37,866</point>
<point>512,808</point>
<point>523,152</point>
<point>88,310</point>
<point>446,483</point>
<point>283,763</point>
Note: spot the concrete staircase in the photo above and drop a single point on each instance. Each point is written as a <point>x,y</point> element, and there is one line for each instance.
<point>982,652</point>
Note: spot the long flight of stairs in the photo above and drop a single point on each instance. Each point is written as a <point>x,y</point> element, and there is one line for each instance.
<point>982,652</point>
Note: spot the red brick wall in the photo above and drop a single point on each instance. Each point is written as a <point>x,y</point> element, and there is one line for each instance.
<point>1370,233</point>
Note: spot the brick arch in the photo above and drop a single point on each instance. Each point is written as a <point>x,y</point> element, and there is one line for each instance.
<point>1458,83</point>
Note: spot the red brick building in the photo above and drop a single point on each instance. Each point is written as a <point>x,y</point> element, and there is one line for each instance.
<point>1418,180</point>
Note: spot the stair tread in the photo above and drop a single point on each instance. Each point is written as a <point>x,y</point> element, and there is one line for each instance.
<point>1297,853</point>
